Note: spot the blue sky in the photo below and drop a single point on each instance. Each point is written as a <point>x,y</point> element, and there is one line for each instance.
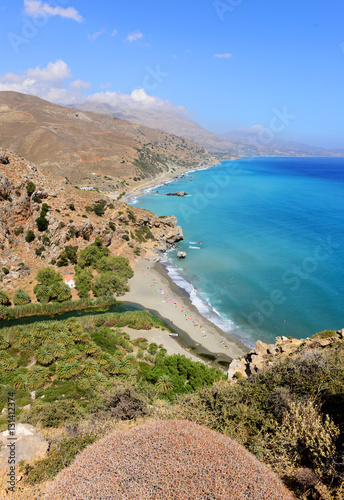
<point>228,64</point>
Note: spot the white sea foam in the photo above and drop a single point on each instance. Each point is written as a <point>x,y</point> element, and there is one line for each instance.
<point>133,200</point>
<point>201,303</point>
<point>195,248</point>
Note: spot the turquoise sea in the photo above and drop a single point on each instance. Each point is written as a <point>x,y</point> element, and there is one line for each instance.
<point>264,242</point>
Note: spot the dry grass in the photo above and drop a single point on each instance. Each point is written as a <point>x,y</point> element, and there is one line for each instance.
<point>167,460</point>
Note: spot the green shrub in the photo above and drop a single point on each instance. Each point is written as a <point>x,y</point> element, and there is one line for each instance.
<point>42,223</point>
<point>5,270</point>
<point>92,254</point>
<point>99,208</point>
<point>53,414</point>
<point>48,276</point>
<point>30,236</point>
<point>19,230</point>
<point>30,188</point>
<point>153,348</point>
<point>324,334</point>
<point>83,282</point>
<point>39,250</point>
<point>5,313</point>
<point>59,456</point>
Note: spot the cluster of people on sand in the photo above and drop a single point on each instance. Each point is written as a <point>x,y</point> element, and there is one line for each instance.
<point>176,305</point>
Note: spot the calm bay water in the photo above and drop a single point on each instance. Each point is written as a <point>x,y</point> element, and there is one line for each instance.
<point>264,242</point>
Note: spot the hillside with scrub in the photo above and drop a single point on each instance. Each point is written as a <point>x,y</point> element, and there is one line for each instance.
<point>90,380</point>
<point>44,222</point>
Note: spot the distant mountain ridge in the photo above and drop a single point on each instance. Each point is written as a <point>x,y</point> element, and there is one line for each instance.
<point>241,142</point>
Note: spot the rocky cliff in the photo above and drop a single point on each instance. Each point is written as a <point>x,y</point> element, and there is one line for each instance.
<point>264,355</point>
<point>73,218</point>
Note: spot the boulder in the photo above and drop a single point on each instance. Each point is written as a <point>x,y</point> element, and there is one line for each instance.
<point>181,255</point>
<point>29,444</point>
<point>179,193</point>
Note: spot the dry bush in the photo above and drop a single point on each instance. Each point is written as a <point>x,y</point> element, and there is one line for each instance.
<point>167,460</point>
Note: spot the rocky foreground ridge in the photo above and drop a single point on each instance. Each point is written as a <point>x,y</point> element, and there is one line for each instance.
<point>264,356</point>
<point>24,189</point>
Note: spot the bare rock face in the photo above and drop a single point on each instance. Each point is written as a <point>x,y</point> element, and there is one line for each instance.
<point>181,255</point>
<point>179,193</point>
<point>29,444</point>
<point>5,186</point>
<point>264,355</point>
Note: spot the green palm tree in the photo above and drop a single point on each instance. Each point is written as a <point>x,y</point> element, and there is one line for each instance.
<point>62,370</point>
<point>42,334</point>
<point>66,371</point>
<point>75,368</point>
<point>58,350</point>
<point>20,382</point>
<point>71,355</point>
<point>8,363</point>
<point>23,337</point>
<point>37,377</point>
<point>104,359</point>
<point>132,359</point>
<point>99,378</point>
<point>44,355</point>
<point>4,343</point>
<point>78,334</point>
<point>72,325</point>
<point>64,339</point>
<point>91,348</point>
<point>164,384</point>
<point>114,367</point>
<point>21,298</point>
<point>90,367</point>
<point>4,300</point>
<point>84,337</point>
<point>84,384</point>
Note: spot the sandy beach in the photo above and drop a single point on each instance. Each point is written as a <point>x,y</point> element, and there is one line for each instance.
<point>152,288</point>
<point>162,337</point>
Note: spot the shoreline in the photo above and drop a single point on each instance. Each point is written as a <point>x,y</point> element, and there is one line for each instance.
<point>165,178</point>
<point>151,287</point>
<point>218,345</point>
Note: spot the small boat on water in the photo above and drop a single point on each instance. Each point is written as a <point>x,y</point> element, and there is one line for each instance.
<point>173,334</point>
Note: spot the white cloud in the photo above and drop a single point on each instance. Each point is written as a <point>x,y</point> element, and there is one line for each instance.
<point>49,83</point>
<point>134,36</point>
<point>79,85</point>
<point>227,55</point>
<point>93,38</point>
<point>36,8</point>
<point>53,72</point>
<point>114,33</point>
<point>138,99</point>
<point>54,83</point>
<point>105,85</point>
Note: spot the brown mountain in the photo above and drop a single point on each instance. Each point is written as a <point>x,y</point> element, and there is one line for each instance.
<point>76,144</point>
<point>240,142</point>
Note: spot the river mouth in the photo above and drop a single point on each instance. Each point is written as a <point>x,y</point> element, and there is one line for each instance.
<point>219,360</point>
